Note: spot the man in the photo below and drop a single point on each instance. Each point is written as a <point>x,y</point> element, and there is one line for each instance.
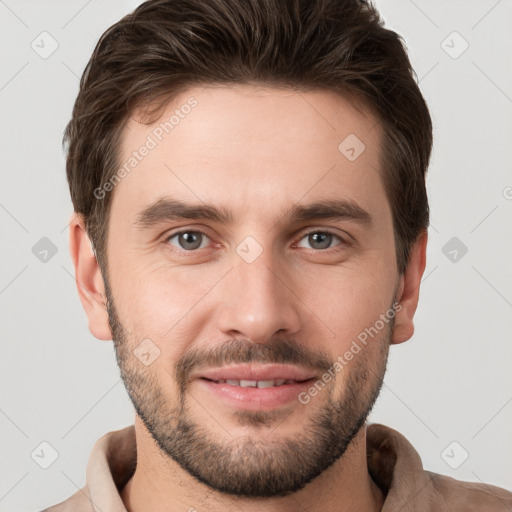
<point>248,180</point>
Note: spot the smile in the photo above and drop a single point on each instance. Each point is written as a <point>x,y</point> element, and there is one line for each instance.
<point>255,387</point>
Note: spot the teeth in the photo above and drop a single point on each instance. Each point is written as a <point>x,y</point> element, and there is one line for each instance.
<point>256,383</point>
<point>265,383</point>
<point>248,383</point>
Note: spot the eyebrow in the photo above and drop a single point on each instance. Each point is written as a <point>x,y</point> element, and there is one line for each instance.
<point>166,209</point>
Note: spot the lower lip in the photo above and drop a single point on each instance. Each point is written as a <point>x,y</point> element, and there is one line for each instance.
<point>255,399</point>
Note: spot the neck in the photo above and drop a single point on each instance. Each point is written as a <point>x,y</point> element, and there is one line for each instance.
<point>160,484</point>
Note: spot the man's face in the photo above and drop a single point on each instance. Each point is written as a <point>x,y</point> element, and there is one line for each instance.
<point>224,332</point>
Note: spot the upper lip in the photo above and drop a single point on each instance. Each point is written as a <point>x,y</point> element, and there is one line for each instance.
<point>256,372</point>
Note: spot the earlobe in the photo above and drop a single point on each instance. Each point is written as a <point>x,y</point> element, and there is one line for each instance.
<point>409,290</point>
<point>89,281</point>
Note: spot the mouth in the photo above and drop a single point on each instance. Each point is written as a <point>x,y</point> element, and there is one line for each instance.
<point>254,387</point>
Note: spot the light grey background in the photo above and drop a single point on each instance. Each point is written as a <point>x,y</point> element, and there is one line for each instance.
<point>451,382</point>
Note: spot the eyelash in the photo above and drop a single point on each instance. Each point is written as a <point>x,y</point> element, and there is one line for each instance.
<point>342,242</point>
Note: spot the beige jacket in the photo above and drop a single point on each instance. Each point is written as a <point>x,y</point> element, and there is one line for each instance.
<point>393,463</point>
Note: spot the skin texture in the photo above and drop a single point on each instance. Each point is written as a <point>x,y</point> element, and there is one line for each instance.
<point>255,152</point>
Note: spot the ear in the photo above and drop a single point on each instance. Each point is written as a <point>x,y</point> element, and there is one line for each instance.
<point>89,281</point>
<point>409,290</point>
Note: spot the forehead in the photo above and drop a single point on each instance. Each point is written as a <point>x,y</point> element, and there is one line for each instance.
<point>249,148</point>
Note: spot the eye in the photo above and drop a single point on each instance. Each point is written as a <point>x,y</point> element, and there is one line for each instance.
<point>188,240</point>
<point>320,240</point>
<point>191,240</point>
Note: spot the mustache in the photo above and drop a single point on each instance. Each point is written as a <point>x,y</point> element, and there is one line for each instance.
<point>241,351</point>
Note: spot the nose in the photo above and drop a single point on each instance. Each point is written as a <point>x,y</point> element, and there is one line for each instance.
<point>259,301</point>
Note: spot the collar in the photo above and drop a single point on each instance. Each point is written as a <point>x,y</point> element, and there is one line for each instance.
<point>393,463</point>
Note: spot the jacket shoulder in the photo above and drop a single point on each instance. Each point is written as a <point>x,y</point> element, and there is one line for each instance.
<point>471,496</point>
<point>78,502</point>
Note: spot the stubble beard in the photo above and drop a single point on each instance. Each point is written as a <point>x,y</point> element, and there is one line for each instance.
<point>266,464</point>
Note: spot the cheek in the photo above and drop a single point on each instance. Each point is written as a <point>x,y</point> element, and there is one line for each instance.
<point>162,303</point>
<point>349,299</point>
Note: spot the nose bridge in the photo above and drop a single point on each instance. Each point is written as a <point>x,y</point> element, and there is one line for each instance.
<point>257,300</point>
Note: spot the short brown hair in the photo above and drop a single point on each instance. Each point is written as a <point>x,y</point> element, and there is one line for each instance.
<point>166,46</point>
